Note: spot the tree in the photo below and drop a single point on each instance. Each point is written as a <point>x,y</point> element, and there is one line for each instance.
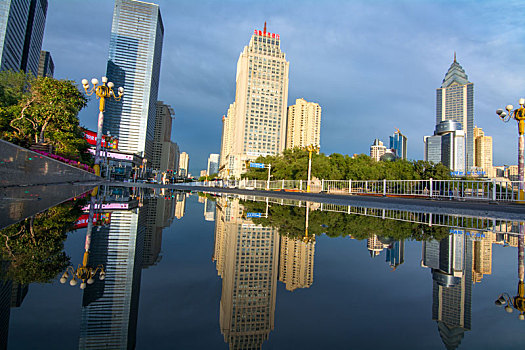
<point>292,164</point>
<point>34,247</point>
<point>46,110</point>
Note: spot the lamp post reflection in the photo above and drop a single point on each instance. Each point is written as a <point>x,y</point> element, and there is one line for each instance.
<point>518,302</point>
<point>83,272</point>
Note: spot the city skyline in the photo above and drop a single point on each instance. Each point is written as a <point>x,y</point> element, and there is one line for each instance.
<point>347,73</point>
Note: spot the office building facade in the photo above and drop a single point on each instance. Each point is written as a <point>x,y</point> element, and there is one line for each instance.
<point>303,124</point>
<point>162,141</point>
<point>455,102</point>
<point>22,24</point>
<point>258,117</point>
<point>398,142</point>
<point>447,146</point>
<point>135,51</point>
<point>46,66</point>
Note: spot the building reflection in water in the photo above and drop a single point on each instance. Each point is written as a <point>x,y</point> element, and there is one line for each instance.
<point>246,257</point>
<point>395,250</point>
<point>450,261</point>
<point>130,243</point>
<point>12,295</point>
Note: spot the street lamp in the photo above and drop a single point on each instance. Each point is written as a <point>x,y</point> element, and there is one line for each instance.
<point>310,149</point>
<point>103,91</point>
<point>519,115</point>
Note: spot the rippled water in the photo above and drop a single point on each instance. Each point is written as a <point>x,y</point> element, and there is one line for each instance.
<point>192,272</point>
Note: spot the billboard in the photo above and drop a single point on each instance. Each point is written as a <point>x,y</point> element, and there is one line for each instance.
<point>107,141</point>
<point>99,219</point>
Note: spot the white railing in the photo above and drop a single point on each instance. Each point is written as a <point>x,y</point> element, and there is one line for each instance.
<point>485,190</point>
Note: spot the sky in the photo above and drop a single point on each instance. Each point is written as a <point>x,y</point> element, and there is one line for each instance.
<point>373,66</point>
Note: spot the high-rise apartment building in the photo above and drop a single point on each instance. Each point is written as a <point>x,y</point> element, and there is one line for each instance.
<point>483,151</point>
<point>455,102</point>
<point>135,51</point>
<point>162,141</point>
<point>398,142</point>
<point>22,25</point>
<point>173,162</point>
<point>304,124</point>
<point>46,66</point>
<point>213,164</point>
<point>256,122</point>
<point>184,163</point>
<point>377,150</point>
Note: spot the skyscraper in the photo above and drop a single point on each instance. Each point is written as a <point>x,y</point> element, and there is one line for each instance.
<point>135,51</point>
<point>304,124</point>
<point>455,102</point>
<point>162,141</point>
<point>258,117</point>
<point>22,25</point>
<point>483,151</point>
<point>398,142</point>
<point>46,66</point>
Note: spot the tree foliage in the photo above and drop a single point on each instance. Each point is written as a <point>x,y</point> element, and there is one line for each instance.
<point>292,164</point>
<point>34,247</point>
<point>42,109</point>
<point>291,221</point>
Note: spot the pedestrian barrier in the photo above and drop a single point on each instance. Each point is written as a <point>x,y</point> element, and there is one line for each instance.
<point>483,190</point>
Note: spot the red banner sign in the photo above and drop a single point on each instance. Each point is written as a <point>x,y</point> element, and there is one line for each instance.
<point>107,142</point>
<point>99,219</point>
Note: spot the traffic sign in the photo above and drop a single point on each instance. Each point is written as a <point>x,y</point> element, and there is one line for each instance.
<point>257,165</point>
<point>253,215</point>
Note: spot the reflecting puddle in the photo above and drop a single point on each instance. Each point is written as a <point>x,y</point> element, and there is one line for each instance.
<point>282,274</point>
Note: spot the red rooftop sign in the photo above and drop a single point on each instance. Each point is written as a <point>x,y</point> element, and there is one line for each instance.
<point>269,35</point>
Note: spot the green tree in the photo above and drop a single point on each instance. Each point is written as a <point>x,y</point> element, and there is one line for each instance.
<point>34,247</point>
<point>46,109</point>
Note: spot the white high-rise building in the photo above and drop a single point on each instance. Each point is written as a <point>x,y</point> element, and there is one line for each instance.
<point>135,51</point>
<point>304,124</point>
<point>256,122</point>
<point>184,163</point>
<point>377,150</point>
<point>213,164</point>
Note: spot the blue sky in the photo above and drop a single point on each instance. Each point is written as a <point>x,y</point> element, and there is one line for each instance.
<point>373,66</point>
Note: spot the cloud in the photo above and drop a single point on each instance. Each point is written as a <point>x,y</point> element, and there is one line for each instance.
<point>372,66</point>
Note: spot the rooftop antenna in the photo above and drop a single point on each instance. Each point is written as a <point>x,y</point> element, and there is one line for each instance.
<point>264,27</point>
<point>455,56</point>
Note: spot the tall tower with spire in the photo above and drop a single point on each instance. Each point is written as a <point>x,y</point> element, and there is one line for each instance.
<point>256,122</point>
<point>455,102</point>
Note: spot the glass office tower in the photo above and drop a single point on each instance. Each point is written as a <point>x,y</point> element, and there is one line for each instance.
<point>135,52</point>
<point>22,25</point>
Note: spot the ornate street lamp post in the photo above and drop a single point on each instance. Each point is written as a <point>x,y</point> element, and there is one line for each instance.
<point>85,273</point>
<point>519,115</point>
<point>102,92</point>
<point>310,149</point>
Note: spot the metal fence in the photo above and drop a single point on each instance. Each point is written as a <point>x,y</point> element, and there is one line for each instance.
<point>485,190</point>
